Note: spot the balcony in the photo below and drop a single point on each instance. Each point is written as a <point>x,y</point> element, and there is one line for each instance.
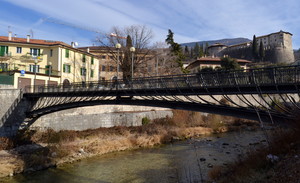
<point>31,58</point>
<point>16,68</point>
<point>5,56</point>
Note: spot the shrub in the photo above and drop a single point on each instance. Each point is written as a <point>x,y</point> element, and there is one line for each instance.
<point>145,120</point>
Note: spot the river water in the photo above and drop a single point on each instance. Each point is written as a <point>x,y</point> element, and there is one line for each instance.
<point>184,161</point>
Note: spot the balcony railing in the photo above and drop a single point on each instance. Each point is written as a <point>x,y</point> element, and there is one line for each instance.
<point>31,58</point>
<point>5,56</point>
<point>18,67</point>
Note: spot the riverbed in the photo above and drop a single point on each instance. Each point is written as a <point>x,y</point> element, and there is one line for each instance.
<point>182,161</point>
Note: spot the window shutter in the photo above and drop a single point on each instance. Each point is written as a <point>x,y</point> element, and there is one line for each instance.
<point>92,73</point>
<point>64,68</point>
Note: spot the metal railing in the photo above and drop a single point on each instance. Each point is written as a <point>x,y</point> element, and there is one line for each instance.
<point>250,77</point>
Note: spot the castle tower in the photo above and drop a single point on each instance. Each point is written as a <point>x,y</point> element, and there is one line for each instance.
<point>279,44</point>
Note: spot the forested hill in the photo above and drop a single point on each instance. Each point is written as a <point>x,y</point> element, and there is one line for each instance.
<point>227,42</point>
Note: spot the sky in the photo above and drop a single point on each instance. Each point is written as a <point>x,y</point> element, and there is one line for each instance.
<point>190,20</point>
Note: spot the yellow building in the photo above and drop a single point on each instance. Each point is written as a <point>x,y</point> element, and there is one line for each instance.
<point>25,61</point>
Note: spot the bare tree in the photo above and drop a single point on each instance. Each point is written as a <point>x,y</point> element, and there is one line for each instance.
<point>165,64</point>
<point>138,36</point>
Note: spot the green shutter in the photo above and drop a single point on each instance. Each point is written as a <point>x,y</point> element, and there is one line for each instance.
<point>92,60</point>
<point>81,71</point>
<point>83,58</point>
<point>69,68</point>
<point>67,53</point>
<point>64,68</point>
<point>92,73</point>
<point>39,52</point>
<point>3,50</point>
<point>47,69</point>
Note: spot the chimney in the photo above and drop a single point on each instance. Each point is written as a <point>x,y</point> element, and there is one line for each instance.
<point>73,44</point>
<point>28,38</point>
<point>88,50</point>
<point>9,36</point>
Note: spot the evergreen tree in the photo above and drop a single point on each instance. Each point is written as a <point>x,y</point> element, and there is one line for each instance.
<point>176,51</point>
<point>228,63</point>
<point>186,52</point>
<point>206,50</point>
<point>254,48</point>
<point>196,50</point>
<point>201,53</point>
<point>261,51</point>
<point>192,53</point>
<point>126,66</point>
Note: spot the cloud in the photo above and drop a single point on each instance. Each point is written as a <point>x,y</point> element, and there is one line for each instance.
<point>190,20</point>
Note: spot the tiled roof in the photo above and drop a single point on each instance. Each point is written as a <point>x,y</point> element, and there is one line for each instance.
<point>219,59</point>
<point>32,41</point>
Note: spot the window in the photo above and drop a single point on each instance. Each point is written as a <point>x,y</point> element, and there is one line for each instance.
<point>67,68</point>
<point>34,68</point>
<point>103,57</point>
<point>19,49</point>
<point>92,73</point>
<point>35,52</point>
<point>92,60</point>
<point>67,53</point>
<point>83,58</point>
<point>3,66</point>
<point>111,68</point>
<point>83,71</point>
<point>51,53</point>
<point>103,68</point>
<point>3,50</point>
<point>48,68</point>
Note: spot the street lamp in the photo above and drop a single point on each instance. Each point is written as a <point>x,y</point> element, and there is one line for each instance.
<point>35,63</point>
<point>118,46</point>
<point>132,50</point>
<point>49,69</point>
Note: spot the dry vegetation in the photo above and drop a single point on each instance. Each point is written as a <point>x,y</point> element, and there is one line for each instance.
<point>50,148</point>
<point>256,167</point>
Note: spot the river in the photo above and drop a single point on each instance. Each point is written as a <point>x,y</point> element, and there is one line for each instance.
<point>176,162</point>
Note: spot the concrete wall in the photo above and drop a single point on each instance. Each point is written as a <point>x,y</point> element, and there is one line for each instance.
<point>99,116</point>
<point>7,96</point>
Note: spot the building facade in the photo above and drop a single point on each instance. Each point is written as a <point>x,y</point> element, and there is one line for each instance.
<point>26,61</point>
<point>212,62</point>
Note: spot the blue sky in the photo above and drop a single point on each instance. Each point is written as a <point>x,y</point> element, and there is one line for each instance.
<point>190,20</point>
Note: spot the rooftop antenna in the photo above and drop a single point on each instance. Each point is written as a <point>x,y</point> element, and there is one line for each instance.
<point>31,33</point>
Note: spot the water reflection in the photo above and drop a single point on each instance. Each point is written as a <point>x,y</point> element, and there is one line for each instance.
<point>186,161</point>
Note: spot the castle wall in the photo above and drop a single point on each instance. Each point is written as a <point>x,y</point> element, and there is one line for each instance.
<point>278,48</point>
<point>282,54</point>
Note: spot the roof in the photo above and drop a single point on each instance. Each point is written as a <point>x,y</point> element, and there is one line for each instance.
<point>40,42</point>
<point>218,59</point>
<point>32,41</point>
<point>275,33</point>
<point>214,59</point>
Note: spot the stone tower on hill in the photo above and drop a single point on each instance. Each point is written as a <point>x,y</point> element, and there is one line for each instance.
<point>277,46</point>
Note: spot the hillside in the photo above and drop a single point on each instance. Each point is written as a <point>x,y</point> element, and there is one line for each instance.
<point>227,42</point>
